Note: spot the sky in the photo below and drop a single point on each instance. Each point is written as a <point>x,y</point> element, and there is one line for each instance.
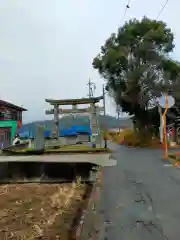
<point>47,46</point>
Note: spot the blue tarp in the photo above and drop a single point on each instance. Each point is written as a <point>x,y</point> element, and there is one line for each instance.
<point>67,132</point>
<point>73,131</point>
<point>47,133</point>
<point>82,129</point>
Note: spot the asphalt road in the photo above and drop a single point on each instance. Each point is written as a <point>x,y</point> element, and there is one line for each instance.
<point>141,196</point>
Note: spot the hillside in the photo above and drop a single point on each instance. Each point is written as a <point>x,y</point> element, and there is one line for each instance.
<point>66,122</point>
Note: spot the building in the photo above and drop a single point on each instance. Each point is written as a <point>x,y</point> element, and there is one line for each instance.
<point>10,122</point>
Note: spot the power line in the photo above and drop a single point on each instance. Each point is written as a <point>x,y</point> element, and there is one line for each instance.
<point>126,8</point>
<point>162,9</point>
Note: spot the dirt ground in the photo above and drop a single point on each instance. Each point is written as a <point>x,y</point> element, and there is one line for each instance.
<point>38,211</point>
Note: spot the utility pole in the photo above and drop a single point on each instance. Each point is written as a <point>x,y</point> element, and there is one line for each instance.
<point>118,113</point>
<point>104,105</point>
<point>92,117</point>
<point>91,87</point>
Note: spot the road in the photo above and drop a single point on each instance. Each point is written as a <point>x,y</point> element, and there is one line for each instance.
<point>141,196</point>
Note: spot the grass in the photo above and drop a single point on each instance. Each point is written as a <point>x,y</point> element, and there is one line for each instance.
<point>70,147</point>
<point>78,148</point>
<point>175,157</point>
<point>39,211</point>
<point>62,150</point>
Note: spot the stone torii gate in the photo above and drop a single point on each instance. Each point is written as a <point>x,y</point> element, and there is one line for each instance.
<point>91,111</point>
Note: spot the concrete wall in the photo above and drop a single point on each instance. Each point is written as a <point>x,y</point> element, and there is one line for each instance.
<point>3,170</point>
<point>12,171</point>
<point>91,225</point>
<point>83,138</point>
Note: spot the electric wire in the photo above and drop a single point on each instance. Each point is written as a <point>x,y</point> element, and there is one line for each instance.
<point>128,6</point>
<point>125,11</point>
<point>162,9</point>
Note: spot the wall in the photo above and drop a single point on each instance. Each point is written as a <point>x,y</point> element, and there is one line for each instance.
<point>12,125</point>
<point>83,138</point>
<point>10,113</point>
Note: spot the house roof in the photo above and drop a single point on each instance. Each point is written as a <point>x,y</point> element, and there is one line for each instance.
<point>11,105</point>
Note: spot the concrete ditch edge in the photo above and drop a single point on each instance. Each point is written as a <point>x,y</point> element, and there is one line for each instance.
<point>91,222</point>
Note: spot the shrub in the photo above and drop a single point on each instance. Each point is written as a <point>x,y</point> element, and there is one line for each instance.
<point>136,139</point>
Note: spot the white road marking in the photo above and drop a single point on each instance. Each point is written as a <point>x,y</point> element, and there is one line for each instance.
<point>168,165</point>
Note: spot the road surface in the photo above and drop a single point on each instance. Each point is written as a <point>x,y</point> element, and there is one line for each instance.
<point>141,196</point>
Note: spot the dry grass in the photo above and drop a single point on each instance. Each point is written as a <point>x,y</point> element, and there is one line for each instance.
<point>38,211</point>
<point>135,139</point>
<point>175,157</point>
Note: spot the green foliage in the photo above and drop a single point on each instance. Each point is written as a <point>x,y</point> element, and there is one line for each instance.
<point>136,66</point>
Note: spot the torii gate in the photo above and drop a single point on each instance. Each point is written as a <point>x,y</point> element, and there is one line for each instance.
<point>92,111</point>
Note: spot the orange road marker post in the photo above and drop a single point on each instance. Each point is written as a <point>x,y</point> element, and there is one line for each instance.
<point>165,131</point>
<point>165,101</point>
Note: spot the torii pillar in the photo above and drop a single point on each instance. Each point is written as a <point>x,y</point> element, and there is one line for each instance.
<point>56,120</point>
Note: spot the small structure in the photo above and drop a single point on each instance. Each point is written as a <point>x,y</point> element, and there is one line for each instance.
<point>90,111</point>
<point>10,122</point>
<point>39,140</point>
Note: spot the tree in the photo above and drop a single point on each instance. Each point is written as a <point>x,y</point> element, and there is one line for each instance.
<point>136,66</point>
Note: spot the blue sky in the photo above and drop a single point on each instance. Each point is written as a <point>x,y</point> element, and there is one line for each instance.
<point>47,46</point>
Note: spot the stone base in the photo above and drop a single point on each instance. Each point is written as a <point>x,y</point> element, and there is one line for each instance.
<point>172,144</point>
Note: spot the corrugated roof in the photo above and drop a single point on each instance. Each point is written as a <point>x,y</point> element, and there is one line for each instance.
<point>8,104</point>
